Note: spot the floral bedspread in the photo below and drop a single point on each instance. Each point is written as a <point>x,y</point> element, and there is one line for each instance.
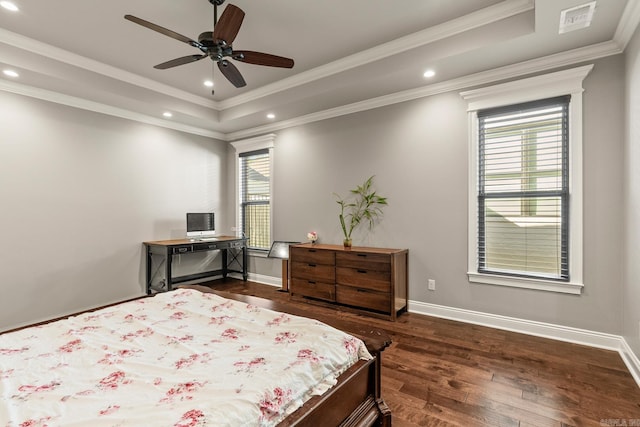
<point>181,358</point>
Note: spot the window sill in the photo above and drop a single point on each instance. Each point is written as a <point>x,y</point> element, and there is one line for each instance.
<point>519,282</point>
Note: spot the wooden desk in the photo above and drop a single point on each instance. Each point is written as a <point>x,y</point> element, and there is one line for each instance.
<point>166,249</point>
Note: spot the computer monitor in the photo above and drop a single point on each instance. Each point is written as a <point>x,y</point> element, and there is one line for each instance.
<point>200,224</point>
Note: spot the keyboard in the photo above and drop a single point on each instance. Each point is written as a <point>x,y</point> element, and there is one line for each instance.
<point>207,239</point>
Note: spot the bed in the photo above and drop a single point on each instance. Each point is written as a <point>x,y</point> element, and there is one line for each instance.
<point>192,357</point>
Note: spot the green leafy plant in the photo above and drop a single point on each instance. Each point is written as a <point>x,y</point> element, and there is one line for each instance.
<point>362,205</point>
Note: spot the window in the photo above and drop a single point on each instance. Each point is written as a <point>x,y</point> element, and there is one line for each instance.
<point>523,190</point>
<point>525,182</point>
<point>255,198</point>
<point>254,186</point>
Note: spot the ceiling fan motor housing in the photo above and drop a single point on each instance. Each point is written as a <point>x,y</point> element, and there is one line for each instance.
<point>216,2</point>
<point>206,39</point>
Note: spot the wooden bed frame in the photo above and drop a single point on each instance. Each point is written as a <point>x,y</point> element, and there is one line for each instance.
<point>355,400</point>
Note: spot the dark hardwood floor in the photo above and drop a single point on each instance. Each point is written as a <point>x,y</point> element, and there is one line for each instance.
<point>443,373</point>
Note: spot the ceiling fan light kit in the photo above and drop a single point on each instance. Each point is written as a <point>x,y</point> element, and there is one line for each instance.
<point>218,45</point>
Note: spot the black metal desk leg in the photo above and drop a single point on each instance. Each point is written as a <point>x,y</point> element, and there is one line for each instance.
<point>245,276</point>
<point>167,277</point>
<point>224,263</point>
<point>148,282</point>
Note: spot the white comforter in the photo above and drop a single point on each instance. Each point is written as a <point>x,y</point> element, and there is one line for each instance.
<point>181,358</point>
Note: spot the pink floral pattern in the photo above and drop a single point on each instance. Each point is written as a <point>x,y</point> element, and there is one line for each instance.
<point>181,358</point>
<point>273,401</point>
<point>191,418</point>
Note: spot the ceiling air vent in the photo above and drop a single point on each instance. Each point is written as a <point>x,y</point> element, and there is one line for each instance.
<point>577,17</point>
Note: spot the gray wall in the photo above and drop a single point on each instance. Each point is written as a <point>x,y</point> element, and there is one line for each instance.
<point>418,152</point>
<point>631,289</point>
<point>80,192</point>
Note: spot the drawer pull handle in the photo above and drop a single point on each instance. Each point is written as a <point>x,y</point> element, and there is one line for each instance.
<point>311,282</point>
<point>182,249</point>
<point>362,271</point>
<point>312,250</point>
<point>311,265</point>
<point>363,255</point>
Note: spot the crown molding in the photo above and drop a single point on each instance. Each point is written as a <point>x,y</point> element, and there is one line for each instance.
<point>628,24</point>
<point>588,53</point>
<point>84,104</point>
<point>500,11</point>
<point>568,58</point>
<point>64,56</point>
<point>473,20</point>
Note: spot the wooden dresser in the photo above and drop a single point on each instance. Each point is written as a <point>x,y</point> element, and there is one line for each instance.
<point>371,280</point>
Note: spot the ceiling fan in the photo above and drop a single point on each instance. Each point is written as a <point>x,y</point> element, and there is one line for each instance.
<point>218,45</point>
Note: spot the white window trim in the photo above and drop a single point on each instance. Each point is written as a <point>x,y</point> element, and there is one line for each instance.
<point>566,82</point>
<point>244,146</point>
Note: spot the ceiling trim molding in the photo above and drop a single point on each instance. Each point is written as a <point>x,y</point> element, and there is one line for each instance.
<point>588,53</point>
<point>468,22</point>
<point>500,11</point>
<point>84,104</point>
<point>572,57</point>
<point>628,24</point>
<point>64,56</point>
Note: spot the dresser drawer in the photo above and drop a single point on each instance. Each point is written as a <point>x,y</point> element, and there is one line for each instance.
<point>314,256</point>
<point>374,280</point>
<point>312,271</point>
<point>365,261</point>
<point>314,289</point>
<point>363,298</point>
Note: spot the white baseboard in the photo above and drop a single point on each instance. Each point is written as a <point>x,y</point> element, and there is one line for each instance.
<point>540,329</point>
<point>631,360</point>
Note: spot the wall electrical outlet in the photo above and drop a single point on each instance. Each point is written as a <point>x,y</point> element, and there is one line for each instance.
<point>431,285</point>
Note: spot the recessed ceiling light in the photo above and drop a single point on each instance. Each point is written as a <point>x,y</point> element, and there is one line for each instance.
<point>9,6</point>
<point>167,114</point>
<point>10,73</point>
<point>271,116</point>
<point>208,83</point>
<point>429,73</point>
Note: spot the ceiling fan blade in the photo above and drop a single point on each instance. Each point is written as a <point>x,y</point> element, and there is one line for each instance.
<point>179,61</point>
<point>229,24</point>
<point>163,30</point>
<point>259,58</point>
<point>231,73</point>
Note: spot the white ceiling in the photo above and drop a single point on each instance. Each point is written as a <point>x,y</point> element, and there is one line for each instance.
<point>349,55</point>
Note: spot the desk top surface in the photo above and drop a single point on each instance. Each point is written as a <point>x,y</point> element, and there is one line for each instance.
<point>178,242</point>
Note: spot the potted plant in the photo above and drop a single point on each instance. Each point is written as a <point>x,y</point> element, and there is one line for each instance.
<point>364,204</point>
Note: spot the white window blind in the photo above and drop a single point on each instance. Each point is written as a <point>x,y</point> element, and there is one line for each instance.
<point>523,190</point>
<point>255,198</point>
